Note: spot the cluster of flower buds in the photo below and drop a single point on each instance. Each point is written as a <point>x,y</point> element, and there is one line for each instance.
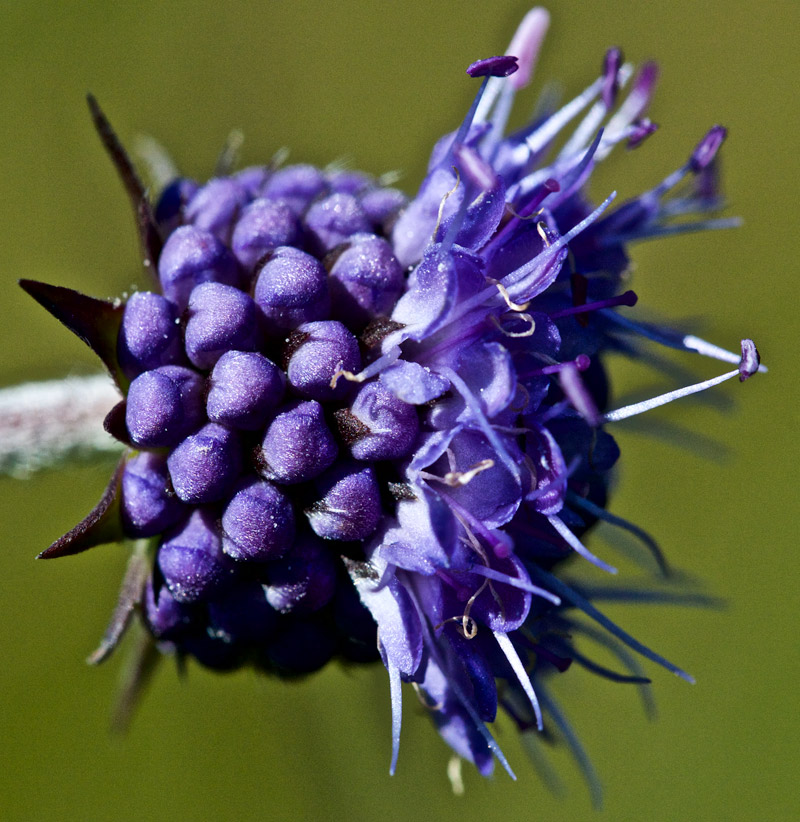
<point>361,425</point>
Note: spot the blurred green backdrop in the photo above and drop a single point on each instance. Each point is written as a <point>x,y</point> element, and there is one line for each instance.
<point>377,83</point>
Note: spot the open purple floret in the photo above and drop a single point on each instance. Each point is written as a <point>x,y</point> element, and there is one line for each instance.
<point>370,427</point>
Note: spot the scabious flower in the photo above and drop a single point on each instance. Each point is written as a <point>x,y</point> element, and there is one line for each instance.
<point>363,426</point>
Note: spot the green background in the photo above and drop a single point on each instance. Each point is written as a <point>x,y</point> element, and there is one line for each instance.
<point>377,83</point>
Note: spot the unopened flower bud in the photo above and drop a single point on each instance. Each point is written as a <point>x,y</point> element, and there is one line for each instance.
<point>325,348</point>
<point>298,445</point>
<point>216,206</point>
<point>297,185</point>
<point>206,464</point>
<point>303,581</point>
<point>164,405</point>
<point>258,522</point>
<point>263,226</point>
<point>292,288</point>
<point>335,218</point>
<point>349,503</point>
<point>366,280</point>
<point>150,334</point>
<point>149,505</point>
<point>190,257</point>
<point>221,318</point>
<point>389,425</point>
<point>192,561</point>
<point>245,388</point>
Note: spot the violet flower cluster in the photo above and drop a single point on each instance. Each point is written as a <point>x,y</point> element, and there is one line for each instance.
<point>363,426</point>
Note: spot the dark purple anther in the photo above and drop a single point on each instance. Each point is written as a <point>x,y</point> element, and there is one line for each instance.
<point>501,66</point>
<point>216,206</point>
<point>707,148</point>
<point>292,288</point>
<point>333,219</point>
<point>221,318</point>
<point>148,504</point>
<point>192,561</point>
<point>366,280</point>
<point>349,503</point>
<point>172,202</point>
<point>164,405</point>
<point>388,426</point>
<point>242,614</point>
<point>206,464</point>
<point>640,132</point>
<point>611,66</point>
<point>323,350</point>
<point>244,390</point>
<point>298,445</point>
<point>167,618</point>
<point>297,185</point>
<point>190,257</point>
<point>150,334</point>
<point>750,360</point>
<point>258,522</point>
<point>263,226</point>
<point>305,580</point>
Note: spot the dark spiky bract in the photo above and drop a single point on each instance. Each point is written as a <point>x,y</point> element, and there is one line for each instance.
<point>366,427</point>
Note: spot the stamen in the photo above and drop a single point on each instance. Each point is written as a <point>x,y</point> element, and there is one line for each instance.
<point>396,696</point>
<point>456,479</point>
<point>528,332</point>
<point>569,594</point>
<point>454,775</point>
<point>578,546</point>
<point>514,582</point>
<point>423,698</point>
<point>748,365</point>
<point>501,66</point>
<point>389,358</point>
<point>515,662</point>
<point>509,302</point>
<point>613,519</point>
<point>444,200</point>
<point>576,392</point>
<point>548,130</point>
<point>483,423</point>
<point>581,362</point>
<point>629,298</point>
<point>611,67</point>
<point>707,148</point>
<point>526,43</point>
<point>667,337</point>
<point>751,360</point>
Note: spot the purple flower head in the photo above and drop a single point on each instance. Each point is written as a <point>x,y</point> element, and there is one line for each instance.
<point>378,427</point>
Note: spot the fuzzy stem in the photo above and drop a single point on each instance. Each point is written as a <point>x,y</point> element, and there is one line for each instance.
<point>44,423</point>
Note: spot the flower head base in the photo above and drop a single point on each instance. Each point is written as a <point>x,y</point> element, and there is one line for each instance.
<point>363,426</point>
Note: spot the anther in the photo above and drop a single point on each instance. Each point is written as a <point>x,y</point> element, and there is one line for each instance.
<point>628,298</point>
